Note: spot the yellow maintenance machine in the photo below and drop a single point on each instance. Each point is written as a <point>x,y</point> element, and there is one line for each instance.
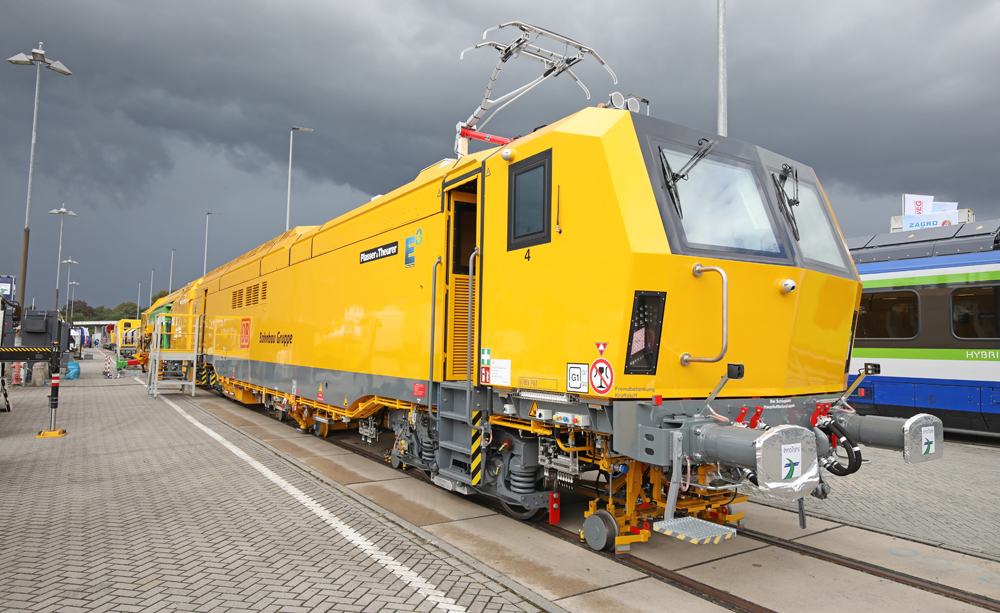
<point>614,304</point>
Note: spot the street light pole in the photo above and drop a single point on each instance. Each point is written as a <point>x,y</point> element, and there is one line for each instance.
<point>137,299</point>
<point>151,286</point>
<point>37,58</point>
<point>722,125</point>
<point>204,267</point>
<point>71,301</point>
<point>62,212</point>
<point>170,284</point>
<point>291,142</point>
<point>69,269</point>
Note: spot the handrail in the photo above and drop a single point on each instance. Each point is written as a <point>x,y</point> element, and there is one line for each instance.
<point>686,358</point>
<point>430,376</point>
<point>468,365</point>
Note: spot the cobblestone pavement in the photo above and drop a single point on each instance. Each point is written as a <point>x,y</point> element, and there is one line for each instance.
<point>951,502</point>
<point>137,509</point>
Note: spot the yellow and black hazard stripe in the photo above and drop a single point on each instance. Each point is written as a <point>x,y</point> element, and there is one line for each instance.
<point>711,540</point>
<point>477,448</point>
<point>14,354</point>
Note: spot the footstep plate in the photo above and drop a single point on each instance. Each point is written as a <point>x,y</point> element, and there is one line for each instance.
<point>695,531</point>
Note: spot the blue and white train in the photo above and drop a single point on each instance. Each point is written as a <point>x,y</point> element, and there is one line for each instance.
<point>928,316</point>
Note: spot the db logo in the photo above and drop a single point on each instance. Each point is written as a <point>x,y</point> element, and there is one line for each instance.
<point>245,333</point>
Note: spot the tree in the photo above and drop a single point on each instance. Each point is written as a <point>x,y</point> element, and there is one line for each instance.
<point>159,294</point>
<point>82,311</point>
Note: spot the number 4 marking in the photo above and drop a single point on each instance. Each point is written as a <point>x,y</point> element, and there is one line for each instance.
<point>527,255</point>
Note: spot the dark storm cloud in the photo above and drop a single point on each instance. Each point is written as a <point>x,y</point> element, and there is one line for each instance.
<point>878,99</point>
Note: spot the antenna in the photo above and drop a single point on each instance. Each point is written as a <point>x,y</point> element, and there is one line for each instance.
<point>524,45</point>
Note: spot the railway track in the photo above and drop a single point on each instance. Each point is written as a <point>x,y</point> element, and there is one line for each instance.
<point>692,586</point>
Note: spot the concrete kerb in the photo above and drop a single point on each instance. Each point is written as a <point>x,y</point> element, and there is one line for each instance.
<point>908,537</point>
<point>517,588</point>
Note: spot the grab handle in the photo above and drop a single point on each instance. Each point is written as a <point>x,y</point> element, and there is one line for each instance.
<point>430,377</point>
<point>468,366</point>
<point>697,270</point>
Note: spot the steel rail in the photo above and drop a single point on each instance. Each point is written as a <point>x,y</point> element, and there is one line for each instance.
<point>878,571</point>
<point>692,586</point>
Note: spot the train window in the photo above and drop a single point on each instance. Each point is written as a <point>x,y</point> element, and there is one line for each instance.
<point>722,208</point>
<point>530,205</point>
<point>644,335</point>
<point>818,239</point>
<point>889,315</point>
<point>974,312</point>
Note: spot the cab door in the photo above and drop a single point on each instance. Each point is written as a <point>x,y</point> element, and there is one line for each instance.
<point>462,282</point>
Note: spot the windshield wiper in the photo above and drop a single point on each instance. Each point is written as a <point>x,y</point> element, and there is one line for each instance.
<point>671,181</point>
<point>671,178</point>
<point>786,202</point>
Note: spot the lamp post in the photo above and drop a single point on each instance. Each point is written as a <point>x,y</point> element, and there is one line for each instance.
<point>291,142</point>
<point>137,299</point>
<point>71,300</point>
<point>62,212</point>
<point>151,286</point>
<point>38,59</point>
<point>69,268</point>
<point>204,267</point>
<point>723,118</point>
<point>170,284</point>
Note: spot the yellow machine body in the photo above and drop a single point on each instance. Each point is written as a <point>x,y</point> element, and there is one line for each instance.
<point>306,300</point>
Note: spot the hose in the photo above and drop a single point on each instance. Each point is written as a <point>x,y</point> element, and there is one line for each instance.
<point>853,452</point>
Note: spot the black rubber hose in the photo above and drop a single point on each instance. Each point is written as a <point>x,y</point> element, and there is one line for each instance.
<point>853,452</point>
<point>856,465</point>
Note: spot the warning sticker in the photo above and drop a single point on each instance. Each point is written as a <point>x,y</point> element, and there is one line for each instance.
<point>319,396</point>
<point>576,378</point>
<point>484,367</point>
<point>601,347</point>
<point>602,376</point>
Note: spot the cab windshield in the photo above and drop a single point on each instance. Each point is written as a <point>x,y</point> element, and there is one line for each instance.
<point>722,206</point>
<point>818,239</point>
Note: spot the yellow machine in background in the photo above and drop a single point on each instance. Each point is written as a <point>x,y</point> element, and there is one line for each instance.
<point>125,343</point>
<point>614,304</point>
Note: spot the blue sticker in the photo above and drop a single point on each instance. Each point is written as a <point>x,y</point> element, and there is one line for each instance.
<point>410,250</point>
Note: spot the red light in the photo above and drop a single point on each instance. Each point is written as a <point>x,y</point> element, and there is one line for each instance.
<point>861,392</point>
<point>657,400</point>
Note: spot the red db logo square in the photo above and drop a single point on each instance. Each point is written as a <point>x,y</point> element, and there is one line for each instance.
<point>245,333</point>
<point>420,390</point>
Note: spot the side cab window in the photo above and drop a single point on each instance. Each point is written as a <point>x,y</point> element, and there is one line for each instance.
<point>529,209</point>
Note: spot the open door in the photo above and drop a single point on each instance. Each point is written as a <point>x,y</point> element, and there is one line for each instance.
<point>463,206</point>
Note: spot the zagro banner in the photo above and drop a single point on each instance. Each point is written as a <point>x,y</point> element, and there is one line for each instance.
<point>930,220</point>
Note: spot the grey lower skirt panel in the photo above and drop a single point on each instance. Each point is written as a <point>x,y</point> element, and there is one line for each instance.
<point>308,382</point>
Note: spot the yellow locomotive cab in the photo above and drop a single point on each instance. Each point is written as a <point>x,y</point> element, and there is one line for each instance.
<point>603,306</point>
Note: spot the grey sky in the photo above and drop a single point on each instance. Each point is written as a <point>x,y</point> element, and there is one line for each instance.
<point>181,107</point>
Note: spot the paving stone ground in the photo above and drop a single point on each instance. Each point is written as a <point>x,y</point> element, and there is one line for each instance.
<point>951,502</point>
<point>139,510</point>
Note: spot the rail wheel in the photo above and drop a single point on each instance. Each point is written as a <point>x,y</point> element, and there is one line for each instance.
<point>600,530</point>
<point>280,414</point>
<point>519,512</point>
<point>320,429</point>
